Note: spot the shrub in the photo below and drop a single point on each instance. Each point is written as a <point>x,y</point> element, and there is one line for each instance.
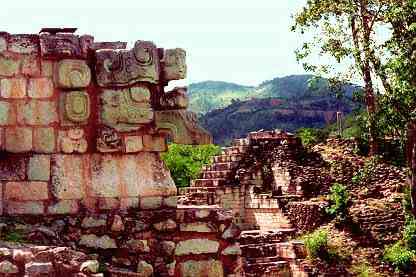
<point>316,243</point>
<point>399,256</point>
<point>367,171</point>
<point>185,161</point>
<point>338,199</point>
<point>409,234</point>
<point>14,236</point>
<point>364,270</point>
<point>310,136</point>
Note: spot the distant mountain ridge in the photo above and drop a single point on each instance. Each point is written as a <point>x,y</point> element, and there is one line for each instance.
<point>230,110</point>
<point>210,95</point>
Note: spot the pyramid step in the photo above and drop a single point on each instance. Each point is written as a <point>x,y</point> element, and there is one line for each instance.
<point>215,174</point>
<point>227,158</point>
<point>209,182</point>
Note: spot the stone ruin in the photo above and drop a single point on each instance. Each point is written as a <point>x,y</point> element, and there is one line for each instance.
<point>263,179</point>
<point>82,126</point>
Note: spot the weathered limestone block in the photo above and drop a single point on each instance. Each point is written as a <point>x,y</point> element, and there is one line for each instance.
<point>196,247</point>
<point>60,46</point>
<point>232,250</point>
<point>39,269</point>
<point>44,140</point>
<point>93,241</point>
<point>64,207</point>
<point>18,140</point>
<point>118,224</point>
<point>121,67</point>
<point>40,88</point>
<point>47,68</point>
<point>155,143</point>
<point>151,203</point>
<point>72,74</point>
<point>133,144</point>
<point>90,266</point>
<point>126,109</point>
<point>22,191</point>
<point>30,66</point>
<point>94,221</point>
<point>144,269</point>
<point>7,267</point>
<point>68,176</point>
<point>26,207</point>
<point>9,66</point>
<point>209,268</point>
<point>137,246</point>
<point>174,64</point>
<point>199,227</point>
<point>13,88</point>
<point>37,112</point>
<point>13,169</point>
<point>72,141</point>
<point>182,126</point>
<point>109,45</point>
<point>165,226</point>
<point>7,113</point>
<point>23,44</point>
<point>175,99</point>
<point>75,108</point>
<point>39,168</point>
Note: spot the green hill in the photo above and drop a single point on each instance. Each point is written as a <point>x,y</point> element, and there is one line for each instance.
<point>231,111</point>
<point>210,95</point>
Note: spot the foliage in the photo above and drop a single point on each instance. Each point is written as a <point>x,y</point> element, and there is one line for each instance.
<point>185,161</point>
<point>316,243</point>
<point>338,198</point>
<point>310,136</point>
<point>364,270</point>
<point>367,171</point>
<point>15,236</point>
<point>409,233</point>
<point>399,256</point>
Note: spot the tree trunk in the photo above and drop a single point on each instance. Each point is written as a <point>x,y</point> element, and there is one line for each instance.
<point>411,160</point>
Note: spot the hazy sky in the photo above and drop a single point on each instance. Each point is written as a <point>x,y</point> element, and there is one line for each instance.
<point>243,41</point>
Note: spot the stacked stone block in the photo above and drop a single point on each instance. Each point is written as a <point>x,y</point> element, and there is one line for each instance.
<point>82,126</point>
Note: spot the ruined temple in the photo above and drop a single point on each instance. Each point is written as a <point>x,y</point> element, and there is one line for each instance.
<point>82,126</point>
<point>264,179</point>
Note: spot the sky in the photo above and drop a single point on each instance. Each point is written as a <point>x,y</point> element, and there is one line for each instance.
<point>241,41</point>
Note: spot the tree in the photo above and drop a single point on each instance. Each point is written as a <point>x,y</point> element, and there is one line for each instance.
<point>346,33</point>
<point>185,161</point>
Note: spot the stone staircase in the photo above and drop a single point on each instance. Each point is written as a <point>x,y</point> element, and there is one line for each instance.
<point>223,168</point>
<point>269,253</point>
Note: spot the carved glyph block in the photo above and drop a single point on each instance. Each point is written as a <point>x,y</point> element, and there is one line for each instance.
<point>108,140</point>
<point>18,140</point>
<point>60,46</point>
<point>174,64</point>
<point>133,144</point>
<point>122,67</point>
<point>73,141</point>
<point>76,106</point>
<point>73,74</point>
<point>23,44</point>
<point>126,109</point>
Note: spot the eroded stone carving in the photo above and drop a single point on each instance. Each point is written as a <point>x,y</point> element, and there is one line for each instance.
<point>73,141</point>
<point>175,99</point>
<point>126,109</point>
<point>182,126</point>
<point>122,67</point>
<point>175,64</point>
<point>77,106</point>
<point>108,140</point>
<point>60,46</point>
<point>72,74</point>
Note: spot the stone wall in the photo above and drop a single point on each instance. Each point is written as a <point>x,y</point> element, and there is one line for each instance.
<point>82,126</point>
